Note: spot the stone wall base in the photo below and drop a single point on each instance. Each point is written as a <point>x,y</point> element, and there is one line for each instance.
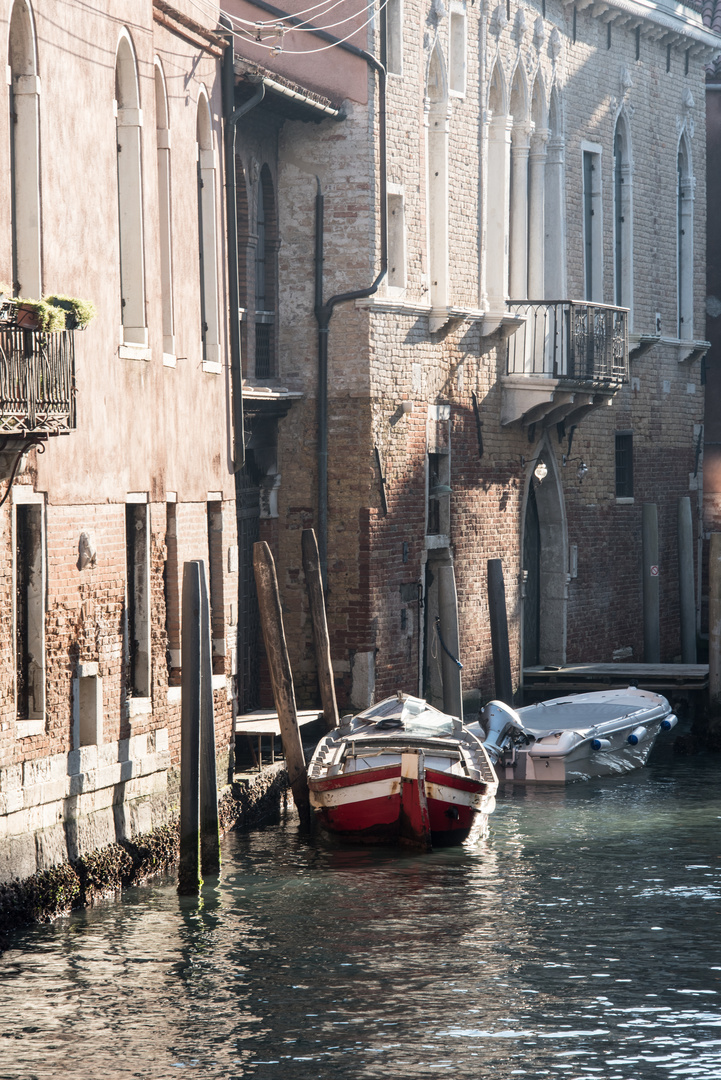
<point>39,890</point>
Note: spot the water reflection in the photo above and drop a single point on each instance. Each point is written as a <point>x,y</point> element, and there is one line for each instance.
<point>579,939</point>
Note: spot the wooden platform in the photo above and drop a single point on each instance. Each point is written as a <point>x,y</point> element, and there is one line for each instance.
<point>265,721</point>
<point>577,678</point>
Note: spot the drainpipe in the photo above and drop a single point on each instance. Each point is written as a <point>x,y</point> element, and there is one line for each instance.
<point>324,311</point>
<point>231,116</point>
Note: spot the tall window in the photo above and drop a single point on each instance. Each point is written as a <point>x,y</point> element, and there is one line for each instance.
<point>265,282</point>
<point>622,216</point>
<point>208,259</point>
<point>554,218</point>
<point>24,152</point>
<point>436,106</point>
<point>457,52</point>
<point>624,465</point>
<point>162,134</point>
<point>520,149</point>
<point>137,552</point>
<point>393,13</point>
<point>592,225</point>
<point>396,240</point>
<point>499,158</point>
<point>684,240</point>
<point>537,194</point>
<point>130,196</point>
<point>29,612</point>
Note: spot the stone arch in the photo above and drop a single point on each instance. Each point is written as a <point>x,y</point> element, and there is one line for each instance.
<point>497,92</point>
<point>25,151</point>
<point>549,589</point>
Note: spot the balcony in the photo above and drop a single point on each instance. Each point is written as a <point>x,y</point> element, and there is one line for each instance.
<point>567,358</point>
<point>37,389</point>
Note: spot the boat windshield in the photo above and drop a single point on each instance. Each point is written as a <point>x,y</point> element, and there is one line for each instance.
<point>411,714</point>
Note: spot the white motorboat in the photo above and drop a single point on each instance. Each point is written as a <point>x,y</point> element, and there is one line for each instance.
<point>577,737</point>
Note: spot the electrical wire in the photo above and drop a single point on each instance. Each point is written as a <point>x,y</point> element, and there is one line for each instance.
<point>308,52</point>
<point>259,27</point>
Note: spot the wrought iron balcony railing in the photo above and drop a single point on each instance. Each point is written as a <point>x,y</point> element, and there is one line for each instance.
<point>37,381</point>
<point>573,340</point>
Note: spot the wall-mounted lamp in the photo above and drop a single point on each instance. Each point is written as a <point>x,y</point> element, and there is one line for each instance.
<point>541,471</point>
<point>581,471</point>
<point>439,490</point>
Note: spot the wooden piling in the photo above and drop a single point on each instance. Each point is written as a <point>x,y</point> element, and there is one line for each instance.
<point>271,619</point>
<point>687,599</point>
<point>651,571</point>
<point>714,621</point>
<point>499,632</point>
<point>189,880</point>
<point>209,826</point>
<point>321,641</point>
<point>448,617</point>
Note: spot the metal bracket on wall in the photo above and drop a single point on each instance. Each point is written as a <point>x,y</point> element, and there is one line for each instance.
<point>479,423</point>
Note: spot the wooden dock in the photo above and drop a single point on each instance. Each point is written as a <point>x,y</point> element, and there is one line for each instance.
<point>264,723</point>
<point>580,678</point>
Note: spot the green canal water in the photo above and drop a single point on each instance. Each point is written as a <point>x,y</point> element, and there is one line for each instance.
<point>580,939</point>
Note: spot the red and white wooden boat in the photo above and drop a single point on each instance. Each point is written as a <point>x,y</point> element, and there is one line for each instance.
<point>402,772</point>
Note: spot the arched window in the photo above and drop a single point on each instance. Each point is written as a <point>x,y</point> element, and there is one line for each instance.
<point>622,215</point>
<point>684,239</point>
<point>536,193</point>
<point>436,107</point>
<point>554,247</point>
<point>130,196</point>
<point>24,152</point>
<point>162,135</point>
<point>265,285</point>
<point>209,320</point>
<point>498,185</point>
<point>520,148</point>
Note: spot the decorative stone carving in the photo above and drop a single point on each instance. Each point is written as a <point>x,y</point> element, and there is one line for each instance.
<point>626,83</point>
<point>499,21</point>
<point>539,34</point>
<point>554,44</point>
<point>519,27</point>
<point>437,13</point>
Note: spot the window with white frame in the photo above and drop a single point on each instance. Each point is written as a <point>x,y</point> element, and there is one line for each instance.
<point>24,152</point>
<point>457,50</point>
<point>209,317</point>
<point>396,238</point>
<point>129,121</point>
<point>162,135</point>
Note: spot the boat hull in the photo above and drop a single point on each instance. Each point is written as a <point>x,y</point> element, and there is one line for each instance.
<point>385,806</point>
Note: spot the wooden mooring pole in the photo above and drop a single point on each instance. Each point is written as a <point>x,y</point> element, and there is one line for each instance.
<point>651,606</point>
<point>209,827</point>
<point>321,641</point>
<point>271,619</point>
<point>686,588</point>
<point>499,632</point>
<point>189,880</point>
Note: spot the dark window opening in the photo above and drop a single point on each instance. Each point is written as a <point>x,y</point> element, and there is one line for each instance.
<point>624,465</point>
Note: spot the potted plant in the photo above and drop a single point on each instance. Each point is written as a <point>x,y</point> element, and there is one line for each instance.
<point>39,315</point>
<point>78,313</point>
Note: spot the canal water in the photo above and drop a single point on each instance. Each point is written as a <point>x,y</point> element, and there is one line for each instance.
<point>580,939</point>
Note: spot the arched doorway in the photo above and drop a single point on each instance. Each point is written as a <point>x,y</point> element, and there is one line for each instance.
<point>544,554</point>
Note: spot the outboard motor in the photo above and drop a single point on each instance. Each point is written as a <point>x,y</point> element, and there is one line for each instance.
<point>502,724</point>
